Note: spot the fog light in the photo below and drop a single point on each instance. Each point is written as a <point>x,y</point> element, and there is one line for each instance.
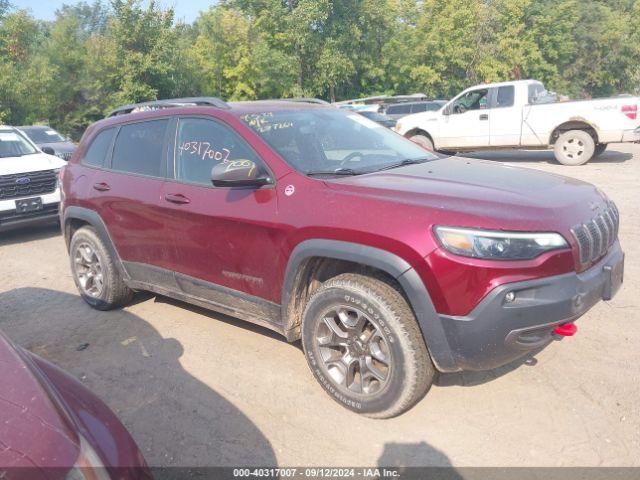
<point>510,297</point>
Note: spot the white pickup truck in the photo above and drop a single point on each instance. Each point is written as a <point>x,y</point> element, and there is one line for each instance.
<point>522,114</point>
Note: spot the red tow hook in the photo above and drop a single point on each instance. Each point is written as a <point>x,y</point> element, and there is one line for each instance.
<point>566,330</point>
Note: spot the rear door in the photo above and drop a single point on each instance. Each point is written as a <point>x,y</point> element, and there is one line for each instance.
<point>505,117</point>
<point>226,240</point>
<point>126,194</point>
<point>465,121</point>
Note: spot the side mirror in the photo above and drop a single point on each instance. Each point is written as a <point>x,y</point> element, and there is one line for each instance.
<point>446,110</point>
<point>48,150</point>
<point>238,173</point>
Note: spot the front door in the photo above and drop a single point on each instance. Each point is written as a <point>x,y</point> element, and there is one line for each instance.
<point>466,122</point>
<point>223,237</point>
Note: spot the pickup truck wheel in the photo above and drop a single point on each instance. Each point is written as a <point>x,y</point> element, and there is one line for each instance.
<point>575,147</point>
<point>600,148</point>
<point>94,272</point>
<point>423,141</point>
<point>364,346</point>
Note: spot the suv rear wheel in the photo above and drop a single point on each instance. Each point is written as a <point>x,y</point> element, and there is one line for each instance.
<point>95,272</point>
<point>364,346</point>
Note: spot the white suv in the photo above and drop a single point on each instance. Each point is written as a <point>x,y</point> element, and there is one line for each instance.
<point>29,191</point>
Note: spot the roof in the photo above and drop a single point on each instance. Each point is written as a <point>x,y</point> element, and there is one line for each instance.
<point>382,98</point>
<point>502,84</point>
<point>35,127</point>
<point>169,103</point>
<point>258,106</point>
<point>255,106</point>
<point>417,103</point>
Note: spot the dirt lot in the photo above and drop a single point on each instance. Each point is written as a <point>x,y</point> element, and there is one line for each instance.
<point>200,389</point>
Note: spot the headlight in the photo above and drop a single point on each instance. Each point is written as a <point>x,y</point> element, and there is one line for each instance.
<point>58,174</point>
<point>498,245</point>
<point>88,466</point>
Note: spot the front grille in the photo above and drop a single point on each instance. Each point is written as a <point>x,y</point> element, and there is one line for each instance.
<point>66,156</point>
<point>17,185</point>
<point>597,235</point>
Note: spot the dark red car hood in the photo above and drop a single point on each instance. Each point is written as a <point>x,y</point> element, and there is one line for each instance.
<point>478,193</point>
<point>34,432</point>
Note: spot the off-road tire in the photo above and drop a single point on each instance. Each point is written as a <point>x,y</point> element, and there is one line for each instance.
<point>114,292</point>
<point>573,148</point>
<point>423,140</point>
<point>411,371</point>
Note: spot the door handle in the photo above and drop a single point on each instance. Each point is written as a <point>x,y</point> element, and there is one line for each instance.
<point>101,187</point>
<point>176,198</point>
<point>484,116</point>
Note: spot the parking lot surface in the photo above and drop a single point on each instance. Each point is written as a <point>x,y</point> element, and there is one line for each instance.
<point>197,388</point>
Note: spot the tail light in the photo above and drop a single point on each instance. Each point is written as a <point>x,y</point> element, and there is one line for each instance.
<point>630,111</point>
<point>566,330</point>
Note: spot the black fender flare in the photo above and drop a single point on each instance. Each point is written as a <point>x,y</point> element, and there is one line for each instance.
<point>92,218</point>
<point>393,265</point>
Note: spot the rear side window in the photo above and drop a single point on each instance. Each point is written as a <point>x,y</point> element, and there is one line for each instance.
<point>433,106</point>
<point>138,148</point>
<point>99,148</point>
<point>399,109</point>
<point>505,96</point>
<point>202,144</point>
<point>419,107</point>
<point>535,90</point>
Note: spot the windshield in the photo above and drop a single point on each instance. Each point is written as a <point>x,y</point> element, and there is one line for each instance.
<point>12,144</point>
<point>329,140</point>
<point>44,135</point>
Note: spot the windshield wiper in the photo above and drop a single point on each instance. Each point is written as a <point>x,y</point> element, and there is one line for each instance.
<point>338,171</point>
<point>407,161</point>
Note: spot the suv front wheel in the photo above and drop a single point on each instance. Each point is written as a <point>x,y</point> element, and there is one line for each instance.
<point>364,346</point>
<point>95,273</point>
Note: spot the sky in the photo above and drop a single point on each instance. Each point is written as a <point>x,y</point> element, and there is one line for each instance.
<point>186,10</point>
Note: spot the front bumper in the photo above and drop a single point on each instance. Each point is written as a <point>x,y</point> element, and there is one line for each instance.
<point>11,219</point>
<point>631,135</point>
<point>497,332</point>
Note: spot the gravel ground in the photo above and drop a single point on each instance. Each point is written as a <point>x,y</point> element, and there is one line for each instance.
<point>201,389</point>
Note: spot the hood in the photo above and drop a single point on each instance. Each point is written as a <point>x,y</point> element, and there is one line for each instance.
<point>33,431</point>
<point>482,194</point>
<point>59,147</point>
<point>30,163</point>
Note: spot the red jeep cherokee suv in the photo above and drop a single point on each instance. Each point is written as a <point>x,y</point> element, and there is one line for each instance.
<point>389,263</point>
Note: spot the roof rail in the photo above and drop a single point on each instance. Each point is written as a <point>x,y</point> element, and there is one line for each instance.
<point>170,103</point>
<point>319,101</point>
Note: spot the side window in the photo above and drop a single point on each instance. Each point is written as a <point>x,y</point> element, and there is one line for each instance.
<point>535,90</point>
<point>418,107</point>
<point>138,148</point>
<point>98,149</point>
<point>203,143</point>
<point>474,100</point>
<point>505,96</point>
